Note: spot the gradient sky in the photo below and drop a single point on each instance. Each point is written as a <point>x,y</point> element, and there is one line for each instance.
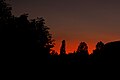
<point>75,20</point>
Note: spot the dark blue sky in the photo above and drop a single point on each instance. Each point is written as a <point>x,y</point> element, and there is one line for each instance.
<point>75,20</point>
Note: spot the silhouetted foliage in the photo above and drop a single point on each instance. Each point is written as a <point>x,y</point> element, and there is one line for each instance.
<point>97,53</point>
<point>99,48</point>
<point>30,41</point>
<point>82,53</point>
<point>44,40</point>
<point>5,15</point>
<point>99,45</point>
<point>5,11</point>
<point>62,49</point>
<point>82,48</point>
<point>24,39</point>
<point>6,19</point>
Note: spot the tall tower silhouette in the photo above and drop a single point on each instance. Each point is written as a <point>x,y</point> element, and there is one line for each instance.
<point>62,49</point>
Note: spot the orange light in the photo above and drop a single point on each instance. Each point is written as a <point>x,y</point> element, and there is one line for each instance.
<point>71,46</point>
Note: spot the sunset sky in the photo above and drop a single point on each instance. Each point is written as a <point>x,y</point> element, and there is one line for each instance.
<point>75,20</point>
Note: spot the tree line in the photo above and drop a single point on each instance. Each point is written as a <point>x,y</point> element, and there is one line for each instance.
<point>30,40</point>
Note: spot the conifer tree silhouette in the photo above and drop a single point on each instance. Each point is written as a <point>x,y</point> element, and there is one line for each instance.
<point>62,49</point>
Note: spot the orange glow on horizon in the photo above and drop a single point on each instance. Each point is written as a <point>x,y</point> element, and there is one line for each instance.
<point>72,46</point>
<point>72,43</point>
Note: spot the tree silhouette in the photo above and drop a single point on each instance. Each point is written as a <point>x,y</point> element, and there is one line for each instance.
<point>96,56</point>
<point>82,53</point>
<point>43,41</point>
<point>5,11</point>
<point>24,39</point>
<point>5,22</point>
<point>99,45</point>
<point>99,48</point>
<point>5,16</point>
<point>62,49</point>
<point>82,48</point>
<point>34,35</point>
